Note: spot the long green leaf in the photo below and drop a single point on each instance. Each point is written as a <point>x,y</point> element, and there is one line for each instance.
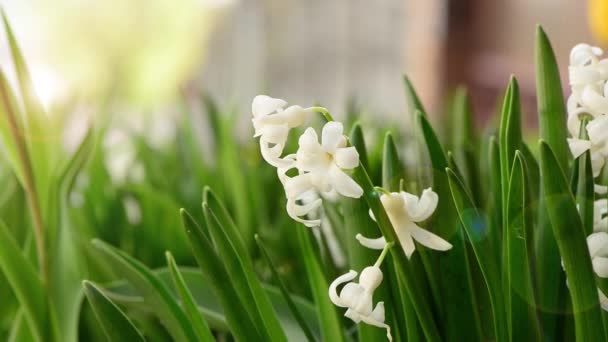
<point>155,292</point>
<point>331,329</point>
<point>26,284</point>
<point>521,313</point>
<point>283,288</point>
<point>456,287</point>
<point>476,228</point>
<point>240,270</point>
<point>241,324</point>
<point>568,230</point>
<point>115,324</point>
<point>203,333</point>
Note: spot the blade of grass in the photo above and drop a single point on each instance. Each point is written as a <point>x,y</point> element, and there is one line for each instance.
<point>115,324</point>
<point>203,333</point>
<point>568,230</point>
<point>583,184</point>
<point>155,292</point>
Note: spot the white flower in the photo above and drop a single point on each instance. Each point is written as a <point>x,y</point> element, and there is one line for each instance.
<point>598,250</point>
<point>404,210</point>
<point>299,189</point>
<point>272,123</point>
<point>324,164</point>
<point>358,297</point>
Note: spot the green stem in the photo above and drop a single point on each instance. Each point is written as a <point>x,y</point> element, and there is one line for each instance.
<point>383,254</point>
<point>323,111</point>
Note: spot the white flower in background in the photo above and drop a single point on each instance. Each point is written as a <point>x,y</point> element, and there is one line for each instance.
<point>358,297</point>
<point>404,210</point>
<point>302,200</point>
<point>324,164</point>
<point>598,250</point>
<point>600,220</point>
<point>272,122</point>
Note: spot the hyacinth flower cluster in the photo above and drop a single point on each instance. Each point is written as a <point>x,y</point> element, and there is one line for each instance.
<point>322,168</point>
<point>588,126</point>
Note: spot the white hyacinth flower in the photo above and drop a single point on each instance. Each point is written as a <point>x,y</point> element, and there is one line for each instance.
<point>299,189</point>
<point>358,297</point>
<point>272,122</point>
<point>598,250</point>
<point>404,210</point>
<point>323,164</point>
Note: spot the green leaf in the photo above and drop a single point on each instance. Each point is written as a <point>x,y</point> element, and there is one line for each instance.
<point>115,324</point>
<point>331,329</point>
<point>455,287</point>
<point>521,314</point>
<point>239,320</point>
<point>413,101</point>
<point>203,333</point>
<point>26,284</point>
<point>413,288</point>
<point>475,227</point>
<point>568,230</point>
<point>290,302</point>
<point>495,206</point>
<point>550,99</point>
<point>154,291</point>
<point>231,250</point>
<point>583,184</point>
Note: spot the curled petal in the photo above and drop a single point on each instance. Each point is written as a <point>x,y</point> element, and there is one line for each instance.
<point>282,171</point>
<point>593,99</point>
<point>293,116</point>
<point>347,158</point>
<point>263,105</point>
<point>421,209</point>
<point>582,54</point>
<point>406,241</point>
<point>298,185</point>
<point>332,137</point>
<point>574,120</point>
<point>597,163</point>
<point>309,141</point>
<point>378,313</point>
<point>333,287</point>
<point>294,209</point>
<point>580,75</point>
<point>603,300</point>
<point>597,243</point>
<point>430,240</point>
<point>371,214</point>
<point>274,134</point>
<point>377,243</point>
<point>598,130</point>
<point>272,155</point>
<point>343,184</point>
<point>600,266</point>
<point>371,321</point>
<point>578,146</point>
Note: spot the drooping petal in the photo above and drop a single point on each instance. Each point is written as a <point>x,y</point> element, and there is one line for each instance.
<point>603,300</point>
<point>293,116</point>
<point>371,321</point>
<point>377,243</point>
<point>600,189</point>
<point>272,154</point>
<point>430,240</point>
<point>343,184</point>
<point>378,313</point>
<point>597,243</point>
<point>293,208</point>
<point>331,136</point>
<point>598,130</point>
<point>282,171</point>
<point>275,134</point>
<point>353,315</point>
<point>600,266</point>
<point>298,185</point>
<point>592,99</point>
<point>347,158</point>
<point>406,241</point>
<point>305,209</point>
<point>263,105</point>
<point>333,293</point>
<point>420,209</point>
<point>578,146</point>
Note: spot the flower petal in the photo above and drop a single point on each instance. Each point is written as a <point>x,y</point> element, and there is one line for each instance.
<point>597,242</point>
<point>263,105</point>
<point>343,184</point>
<point>421,209</point>
<point>600,266</point>
<point>333,293</point>
<point>598,130</point>
<point>298,185</point>
<point>406,241</point>
<point>600,189</point>
<point>603,300</point>
<point>347,157</point>
<point>371,321</point>
<point>430,240</point>
<point>594,100</point>
<point>331,137</point>
<point>377,243</point>
<point>578,146</point>
<point>272,154</point>
<point>292,210</point>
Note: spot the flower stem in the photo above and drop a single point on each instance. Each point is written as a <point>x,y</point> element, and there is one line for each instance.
<point>381,190</point>
<point>323,111</point>
<point>383,254</point>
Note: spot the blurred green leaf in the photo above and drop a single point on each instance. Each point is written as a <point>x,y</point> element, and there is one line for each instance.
<point>239,320</point>
<point>203,333</point>
<point>116,325</point>
<point>568,230</point>
<point>26,284</point>
<point>154,291</point>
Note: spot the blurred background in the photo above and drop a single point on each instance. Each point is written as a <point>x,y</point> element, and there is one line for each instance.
<point>144,53</point>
